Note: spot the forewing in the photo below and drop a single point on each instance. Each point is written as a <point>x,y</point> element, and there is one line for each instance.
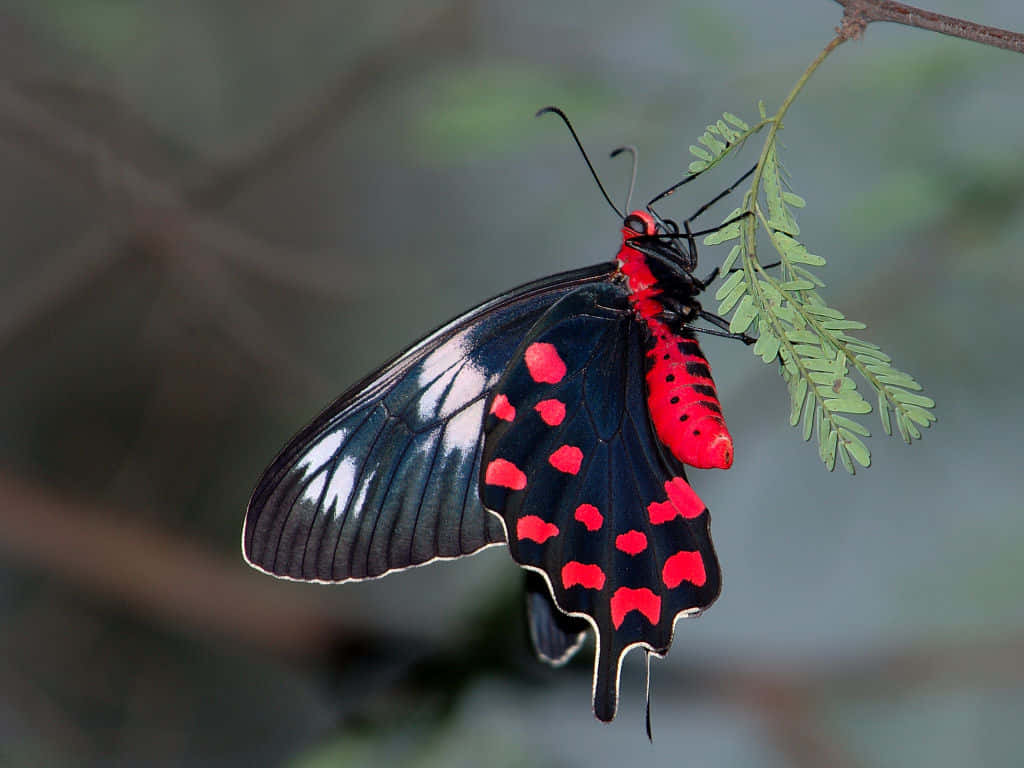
<point>586,494</point>
<point>385,477</point>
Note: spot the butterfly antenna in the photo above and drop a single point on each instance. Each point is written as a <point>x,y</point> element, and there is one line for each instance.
<point>561,114</point>
<point>632,179</point>
<point>647,718</point>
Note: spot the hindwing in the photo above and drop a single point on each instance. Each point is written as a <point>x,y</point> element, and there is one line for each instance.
<point>556,636</point>
<point>385,477</point>
<point>586,493</point>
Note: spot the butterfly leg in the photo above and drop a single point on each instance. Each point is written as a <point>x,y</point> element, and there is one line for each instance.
<point>690,236</point>
<point>690,178</point>
<point>766,266</point>
<point>682,315</point>
<point>691,244</point>
<point>748,340</point>
<point>710,278</point>
<point>714,273</point>
<point>675,312</point>
<point>720,195</point>
<point>722,323</point>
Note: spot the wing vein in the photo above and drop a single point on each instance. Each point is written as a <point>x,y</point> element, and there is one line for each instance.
<point>419,502</point>
<point>357,481</point>
<point>384,502</point>
<point>333,461</point>
<point>472,478</point>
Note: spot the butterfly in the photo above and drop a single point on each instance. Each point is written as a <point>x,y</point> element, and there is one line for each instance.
<point>555,419</point>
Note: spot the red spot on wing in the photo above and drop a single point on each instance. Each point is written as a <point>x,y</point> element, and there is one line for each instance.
<point>588,576</point>
<point>590,516</point>
<point>631,542</point>
<point>625,600</point>
<point>546,367</point>
<point>503,409</point>
<point>660,512</point>
<point>505,474</point>
<point>533,528</point>
<point>684,498</point>
<point>684,566</point>
<point>567,459</point>
<point>551,411</point>
<point>682,501</point>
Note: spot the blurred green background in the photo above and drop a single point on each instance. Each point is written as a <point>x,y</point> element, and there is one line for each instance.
<point>218,215</point>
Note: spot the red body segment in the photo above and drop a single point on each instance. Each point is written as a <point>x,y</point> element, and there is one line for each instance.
<point>681,394</point>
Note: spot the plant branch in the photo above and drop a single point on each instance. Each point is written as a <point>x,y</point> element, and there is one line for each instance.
<point>300,130</point>
<point>859,13</point>
<point>159,575</point>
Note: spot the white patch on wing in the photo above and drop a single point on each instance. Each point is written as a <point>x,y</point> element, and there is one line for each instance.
<point>463,431</point>
<point>322,451</point>
<point>364,487</point>
<point>340,489</point>
<point>427,403</point>
<point>470,381</point>
<point>311,495</point>
<point>443,358</point>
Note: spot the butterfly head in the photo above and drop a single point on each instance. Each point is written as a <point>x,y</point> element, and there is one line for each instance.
<point>646,232</point>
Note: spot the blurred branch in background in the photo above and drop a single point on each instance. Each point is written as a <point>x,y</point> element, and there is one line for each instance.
<point>180,212</point>
<point>169,218</point>
<point>155,214</point>
<point>416,39</point>
<point>179,584</point>
<point>160,576</point>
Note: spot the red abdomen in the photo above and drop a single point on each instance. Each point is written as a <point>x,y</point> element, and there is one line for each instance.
<point>683,401</point>
<point>681,395</point>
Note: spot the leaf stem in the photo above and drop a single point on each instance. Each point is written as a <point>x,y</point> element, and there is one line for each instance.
<point>780,332</point>
<point>776,119</point>
<point>827,335</point>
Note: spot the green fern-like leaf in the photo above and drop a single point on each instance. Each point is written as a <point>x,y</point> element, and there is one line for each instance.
<point>812,341</point>
<point>718,140</point>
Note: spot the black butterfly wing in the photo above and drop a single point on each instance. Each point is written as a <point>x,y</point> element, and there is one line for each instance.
<point>587,495</point>
<point>385,477</point>
<point>556,636</point>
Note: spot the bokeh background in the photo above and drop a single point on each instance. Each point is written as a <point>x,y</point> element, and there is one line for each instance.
<point>218,215</point>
